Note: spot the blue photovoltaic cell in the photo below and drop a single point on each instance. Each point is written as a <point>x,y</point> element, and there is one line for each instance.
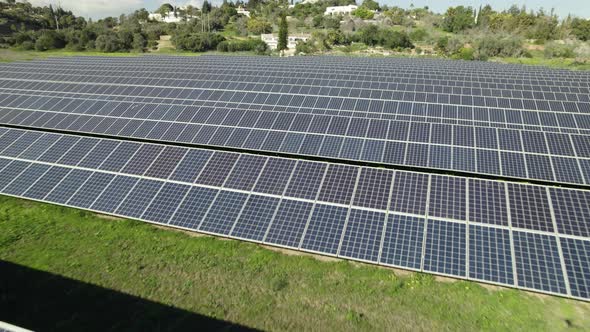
<point>223,212</point>
<point>362,236</point>
<point>255,218</point>
<point>490,257</point>
<point>4,162</point>
<point>68,186</point>
<point>46,183</point>
<point>112,196</point>
<point>440,156</point>
<point>373,188</point>
<point>139,198</point>
<point>445,248</point>
<point>338,185</point>
<point>539,167</point>
<point>402,244</point>
<point>91,189</point>
<point>20,184</point>
<point>325,229</point>
<point>57,150</point>
<point>487,202</point>
<point>289,223</point>
<point>120,156</point>
<point>529,207</point>
<point>11,171</point>
<point>567,170</point>
<point>217,169</point>
<point>18,146</point>
<point>537,262</point>
<point>576,254</point>
<point>142,159</point>
<point>572,211</point>
<point>166,162</point>
<point>191,165</point>
<point>78,151</point>
<point>275,176</point>
<point>98,154</point>
<point>513,164</point>
<point>165,203</point>
<point>245,172</point>
<point>409,193</point>
<point>447,197</point>
<point>193,207</point>
<point>306,180</point>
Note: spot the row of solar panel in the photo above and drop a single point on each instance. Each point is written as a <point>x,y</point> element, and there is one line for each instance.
<point>171,78</point>
<point>488,202</point>
<point>448,248</point>
<point>371,67</point>
<point>157,108</point>
<point>550,101</point>
<point>487,160</point>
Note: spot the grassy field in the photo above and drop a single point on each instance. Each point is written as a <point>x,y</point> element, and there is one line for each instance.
<point>127,275</point>
<point>8,55</point>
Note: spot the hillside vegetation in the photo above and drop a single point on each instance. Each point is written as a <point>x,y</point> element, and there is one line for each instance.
<point>373,29</point>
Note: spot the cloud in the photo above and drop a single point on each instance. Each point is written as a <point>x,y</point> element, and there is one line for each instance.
<point>94,8</point>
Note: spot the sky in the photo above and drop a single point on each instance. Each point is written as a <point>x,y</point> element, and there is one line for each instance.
<point>102,8</point>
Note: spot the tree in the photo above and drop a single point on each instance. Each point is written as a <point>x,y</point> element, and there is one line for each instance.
<point>368,35</point>
<point>363,13</point>
<point>165,9</point>
<point>395,39</point>
<point>283,33</point>
<point>259,26</point>
<point>581,29</point>
<point>483,19</point>
<point>139,42</point>
<point>141,14</point>
<point>458,19</point>
<point>371,4</point>
<point>206,8</point>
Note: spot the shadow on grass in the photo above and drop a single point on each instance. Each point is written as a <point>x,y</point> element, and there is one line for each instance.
<point>43,301</point>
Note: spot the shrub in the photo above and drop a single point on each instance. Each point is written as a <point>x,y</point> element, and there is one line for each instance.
<point>363,13</point>
<point>491,46</point>
<point>555,50</point>
<point>305,47</point>
<point>256,45</point>
<point>197,42</point>
<point>49,40</point>
<point>418,34</point>
<point>107,43</point>
<point>27,45</point>
<point>395,39</point>
<point>465,54</point>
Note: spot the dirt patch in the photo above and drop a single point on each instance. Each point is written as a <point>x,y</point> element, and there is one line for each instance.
<point>107,217</point>
<point>291,252</point>
<point>189,233</point>
<point>445,279</point>
<point>164,43</point>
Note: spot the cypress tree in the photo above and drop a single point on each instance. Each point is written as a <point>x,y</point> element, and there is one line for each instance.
<point>283,33</point>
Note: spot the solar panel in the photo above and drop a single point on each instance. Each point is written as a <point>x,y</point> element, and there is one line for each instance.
<point>509,122</point>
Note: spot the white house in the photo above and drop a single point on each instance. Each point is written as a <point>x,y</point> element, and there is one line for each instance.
<point>170,17</point>
<point>273,40</point>
<point>340,10</point>
<point>243,11</point>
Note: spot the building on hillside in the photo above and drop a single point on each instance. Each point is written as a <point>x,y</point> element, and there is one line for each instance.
<point>241,10</point>
<point>340,10</point>
<point>170,17</point>
<point>273,40</point>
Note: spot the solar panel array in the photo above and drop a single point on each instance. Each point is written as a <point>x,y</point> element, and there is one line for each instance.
<point>516,123</point>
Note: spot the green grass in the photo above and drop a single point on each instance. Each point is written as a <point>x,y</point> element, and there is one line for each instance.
<point>253,286</point>
<point>557,63</point>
